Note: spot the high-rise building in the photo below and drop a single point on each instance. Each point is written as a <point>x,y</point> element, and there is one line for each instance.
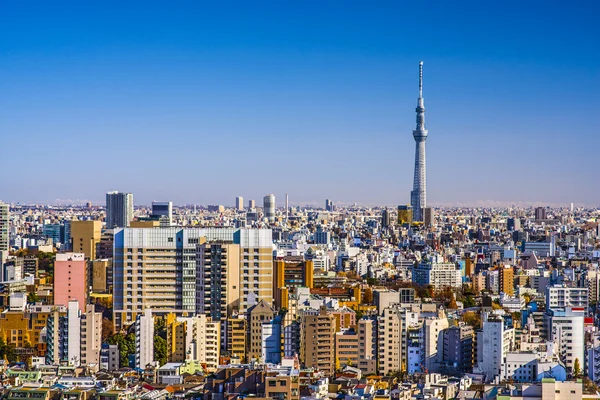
<point>251,205</point>
<point>540,213</point>
<point>346,347</point>
<point>119,209</point>
<point>405,215</point>
<point>91,336</point>
<point>493,342</point>
<point>367,345</point>
<point>74,333</point>
<point>566,330</point>
<point>390,341</point>
<point>507,280</point>
<point>218,280</point>
<point>85,236</point>
<point>165,269</point>
<point>269,207</point>
<point>239,203</point>
<point>329,206</point>
<point>70,279</point>
<point>385,218</point>
<point>163,211</point>
<point>458,347</point>
<point>317,347</point>
<point>418,196</point>
<point>4,241</point>
<point>194,338</point>
<point>428,216</point>
<point>144,339</point>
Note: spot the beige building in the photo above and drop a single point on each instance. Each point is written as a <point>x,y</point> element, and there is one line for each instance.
<point>85,235</point>
<point>219,279</point>
<point>282,385</point>
<point>367,345</point>
<point>256,315</point>
<point>346,348</point>
<point>391,341</point>
<point>157,268</point>
<point>236,338</point>
<point>91,336</point>
<point>101,275</point>
<point>317,347</point>
<point>201,340</point>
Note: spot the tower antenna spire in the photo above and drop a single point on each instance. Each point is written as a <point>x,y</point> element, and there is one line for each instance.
<point>421,79</point>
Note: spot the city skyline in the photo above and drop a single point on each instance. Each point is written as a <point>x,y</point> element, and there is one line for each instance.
<point>91,106</point>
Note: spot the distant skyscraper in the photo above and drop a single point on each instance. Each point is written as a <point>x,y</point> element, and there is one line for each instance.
<point>405,215</point>
<point>428,216</point>
<point>269,207</point>
<point>4,242</point>
<point>329,205</point>
<point>540,213</point>
<point>239,203</point>
<point>163,210</point>
<point>119,209</point>
<point>418,196</point>
<point>385,218</point>
<point>251,204</point>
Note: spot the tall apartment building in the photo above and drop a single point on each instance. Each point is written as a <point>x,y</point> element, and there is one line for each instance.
<point>560,297</point>
<point>4,236</point>
<point>367,345</point>
<point>566,329</point>
<point>239,203</point>
<point>405,214</point>
<point>70,279</point>
<point>74,337</point>
<point>458,348</point>
<point>433,328</point>
<point>346,348</point>
<point>236,338</point>
<point>85,236</point>
<point>439,275</point>
<point>507,280</point>
<point>195,338</point>
<point>119,209</point>
<point>256,316</point>
<point>160,268</point>
<point>218,279</point>
<point>144,339</point>
<point>91,336</point>
<point>317,347</point>
<point>390,341</point>
<point>493,342</point>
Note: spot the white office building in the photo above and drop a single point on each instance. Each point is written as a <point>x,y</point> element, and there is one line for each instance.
<point>494,341</point>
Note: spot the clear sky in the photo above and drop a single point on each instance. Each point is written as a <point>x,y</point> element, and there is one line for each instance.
<point>199,102</point>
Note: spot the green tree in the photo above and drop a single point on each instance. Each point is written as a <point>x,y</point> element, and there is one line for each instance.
<point>126,346</point>
<point>32,297</point>
<point>160,350</point>
<point>576,368</point>
<point>469,302</point>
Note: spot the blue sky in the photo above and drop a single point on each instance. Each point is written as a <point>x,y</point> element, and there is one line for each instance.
<point>199,102</point>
